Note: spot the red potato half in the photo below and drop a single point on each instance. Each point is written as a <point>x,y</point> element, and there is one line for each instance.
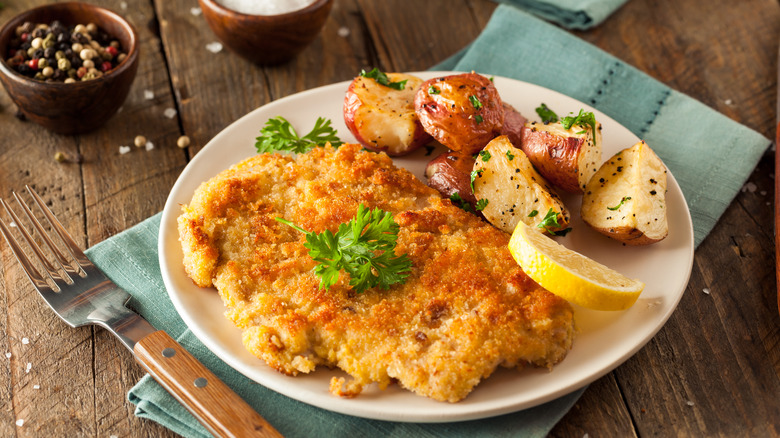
<point>450,173</point>
<point>463,112</point>
<point>567,158</point>
<point>383,119</point>
<point>514,123</point>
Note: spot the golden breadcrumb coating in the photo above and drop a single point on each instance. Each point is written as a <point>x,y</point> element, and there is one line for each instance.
<point>465,309</point>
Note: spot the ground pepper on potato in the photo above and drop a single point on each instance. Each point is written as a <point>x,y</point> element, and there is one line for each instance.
<point>55,52</point>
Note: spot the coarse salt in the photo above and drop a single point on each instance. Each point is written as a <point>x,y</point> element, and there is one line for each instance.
<point>762,192</point>
<point>343,32</point>
<point>706,290</point>
<point>12,224</point>
<point>689,403</point>
<point>749,187</point>
<point>214,47</point>
<point>149,145</point>
<point>265,7</point>
<point>124,149</point>
<point>123,6</point>
<point>20,422</point>
<point>29,366</point>
<point>148,94</point>
<point>169,113</point>
<point>8,355</point>
<point>25,341</point>
<point>196,11</point>
<point>36,386</point>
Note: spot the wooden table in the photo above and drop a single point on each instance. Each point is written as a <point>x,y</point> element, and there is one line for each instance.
<point>712,370</point>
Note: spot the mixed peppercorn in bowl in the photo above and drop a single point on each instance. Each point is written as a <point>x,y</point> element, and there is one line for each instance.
<point>68,66</point>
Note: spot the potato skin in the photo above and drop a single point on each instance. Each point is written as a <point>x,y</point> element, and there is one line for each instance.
<point>567,158</point>
<point>445,109</point>
<point>514,123</point>
<point>450,173</point>
<point>383,119</point>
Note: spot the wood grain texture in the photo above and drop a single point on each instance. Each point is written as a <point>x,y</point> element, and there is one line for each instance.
<point>215,405</point>
<point>713,370</point>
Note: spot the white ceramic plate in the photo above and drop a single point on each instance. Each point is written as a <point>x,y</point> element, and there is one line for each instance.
<point>604,341</point>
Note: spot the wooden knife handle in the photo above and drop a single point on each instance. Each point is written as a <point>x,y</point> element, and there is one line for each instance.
<point>213,403</point>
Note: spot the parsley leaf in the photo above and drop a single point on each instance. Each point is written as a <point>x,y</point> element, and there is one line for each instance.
<point>584,119</point>
<point>482,203</point>
<point>363,248</point>
<point>475,102</point>
<point>546,114</point>
<point>458,201</point>
<point>509,155</point>
<point>474,175</point>
<point>533,213</point>
<point>279,135</point>
<point>550,222</point>
<point>382,79</point>
<point>433,90</point>
<point>479,118</point>
<point>625,198</point>
<point>485,155</point>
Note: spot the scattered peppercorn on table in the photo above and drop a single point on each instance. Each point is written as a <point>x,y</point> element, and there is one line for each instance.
<point>713,369</point>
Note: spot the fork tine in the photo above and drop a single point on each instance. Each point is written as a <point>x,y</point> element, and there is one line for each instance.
<point>73,248</point>
<point>32,273</point>
<point>68,264</point>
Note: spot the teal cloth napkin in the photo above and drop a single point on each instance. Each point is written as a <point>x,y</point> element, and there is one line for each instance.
<point>710,155</point>
<point>572,14</point>
<point>130,259</point>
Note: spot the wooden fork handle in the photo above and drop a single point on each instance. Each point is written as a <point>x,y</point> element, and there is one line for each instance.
<point>213,403</point>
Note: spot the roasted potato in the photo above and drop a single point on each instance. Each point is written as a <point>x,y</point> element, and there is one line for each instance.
<point>450,173</point>
<point>382,118</point>
<point>510,190</point>
<point>568,158</point>
<point>626,199</point>
<point>514,123</point>
<point>463,112</point>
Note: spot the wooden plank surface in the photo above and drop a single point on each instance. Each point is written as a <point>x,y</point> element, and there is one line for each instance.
<point>712,370</point>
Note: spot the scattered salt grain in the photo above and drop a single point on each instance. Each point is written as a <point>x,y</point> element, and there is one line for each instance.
<point>113,436</point>
<point>762,192</point>
<point>265,7</point>
<point>169,113</point>
<point>20,422</point>
<point>749,187</point>
<point>196,11</point>
<point>728,101</point>
<point>124,149</point>
<point>148,94</point>
<point>123,6</point>
<point>12,225</point>
<point>651,304</point>
<point>25,341</point>
<point>343,32</point>
<point>29,366</point>
<point>214,47</point>
<point>8,355</point>
<point>706,290</point>
<point>689,403</point>
<point>36,386</point>
<point>149,145</point>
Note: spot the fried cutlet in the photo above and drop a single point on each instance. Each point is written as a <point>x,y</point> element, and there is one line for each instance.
<point>465,309</point>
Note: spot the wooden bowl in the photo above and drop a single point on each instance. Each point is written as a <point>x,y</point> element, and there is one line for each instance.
<point>81,106</point>
<point>266,39</point>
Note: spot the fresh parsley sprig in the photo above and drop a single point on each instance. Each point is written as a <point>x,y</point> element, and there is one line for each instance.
<point>363,247</point>
<point>546,114</point>
<point>382,79</point>
<point>550,222</point>
<point>620,204</point>
<point>279,135</point>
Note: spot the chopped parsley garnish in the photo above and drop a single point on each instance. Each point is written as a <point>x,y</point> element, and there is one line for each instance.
<point>433,90</point>
<point>478,118</point>
<point>475,102</point>
<point>474,175</point>
<point>279,135</point>
<point>546,114</point>
<point>362,247</point>
<point>533,213</point>
<point>460,202</point>
<point>620,204</point>
<point>485,155</point>
<point>482,203</point>
<point>550,223</point>
<point>583,119</point>
<point>509,155</point>
<point>382,79</point>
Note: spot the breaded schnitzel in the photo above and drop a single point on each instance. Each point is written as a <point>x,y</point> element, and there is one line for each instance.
<point>465,309</point>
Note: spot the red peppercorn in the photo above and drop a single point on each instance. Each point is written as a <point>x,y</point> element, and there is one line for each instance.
<point>25,37</point>
<point>112,50</point>
<point>106,66</point>
<point>33,64</point>
<point>81,72</point>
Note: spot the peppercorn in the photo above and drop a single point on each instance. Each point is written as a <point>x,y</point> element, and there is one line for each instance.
<point>60,157</point>
<point>139,141</point>
<point>63,64</point>
<point>183,141</point>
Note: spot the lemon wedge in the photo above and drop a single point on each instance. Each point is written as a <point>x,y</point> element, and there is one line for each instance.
<point>571,275</point>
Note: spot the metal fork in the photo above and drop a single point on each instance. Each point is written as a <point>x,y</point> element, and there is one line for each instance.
<point>81,294</point>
